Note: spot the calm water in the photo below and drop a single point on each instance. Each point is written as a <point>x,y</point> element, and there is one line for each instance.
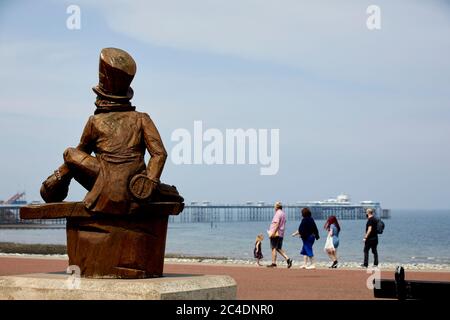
<point>409,237</point>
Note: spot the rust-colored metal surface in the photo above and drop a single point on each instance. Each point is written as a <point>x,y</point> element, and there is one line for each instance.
<point>119,230</point>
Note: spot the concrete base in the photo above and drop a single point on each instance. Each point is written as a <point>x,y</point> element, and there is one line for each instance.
<point>60,286</point>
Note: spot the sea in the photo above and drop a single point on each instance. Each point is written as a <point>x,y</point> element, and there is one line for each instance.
<point>409,237</point>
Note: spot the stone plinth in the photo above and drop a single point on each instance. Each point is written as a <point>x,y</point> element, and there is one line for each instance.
<point>63,287</point>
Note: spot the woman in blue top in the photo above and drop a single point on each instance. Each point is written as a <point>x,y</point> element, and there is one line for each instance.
<point>333,228</point>
<point>309,233</point>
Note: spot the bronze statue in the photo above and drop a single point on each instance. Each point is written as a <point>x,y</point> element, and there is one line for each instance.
<point>116,178</point>
<point>120,229</point>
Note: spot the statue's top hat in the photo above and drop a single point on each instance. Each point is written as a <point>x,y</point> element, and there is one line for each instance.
<point>116,71</point>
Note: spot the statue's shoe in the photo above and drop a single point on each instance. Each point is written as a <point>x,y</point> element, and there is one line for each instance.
<point>56,187</point>
<point>166,193</point>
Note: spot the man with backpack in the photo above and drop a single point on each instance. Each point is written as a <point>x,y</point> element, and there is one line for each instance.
<point>371,239</point>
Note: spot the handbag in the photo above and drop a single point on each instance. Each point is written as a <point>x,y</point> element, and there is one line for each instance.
<point>329,244</point>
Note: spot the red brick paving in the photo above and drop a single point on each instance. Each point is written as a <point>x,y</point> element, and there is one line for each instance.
<point>255,283</point>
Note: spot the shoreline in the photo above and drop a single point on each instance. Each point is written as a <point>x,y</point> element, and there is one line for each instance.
<point>223,261</point>
<point>47,251</point>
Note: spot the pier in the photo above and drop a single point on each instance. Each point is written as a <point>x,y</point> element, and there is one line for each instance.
<point>10,215</point>
<point>233,213</point>
<point>10,219</point>
<point>206,212</point>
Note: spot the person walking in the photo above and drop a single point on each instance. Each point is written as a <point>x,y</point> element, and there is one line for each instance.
<point>276,234</point>
<point>333,228</point>
<point>370,239</point>
<point>257,251</point>
<point>308,232</point>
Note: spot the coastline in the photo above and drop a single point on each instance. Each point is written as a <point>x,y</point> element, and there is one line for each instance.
<point>46,251</point>
<point>223,261</point>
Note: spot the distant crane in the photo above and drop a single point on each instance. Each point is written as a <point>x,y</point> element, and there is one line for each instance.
<point>14,198</point>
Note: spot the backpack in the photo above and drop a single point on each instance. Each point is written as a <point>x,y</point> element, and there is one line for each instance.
<point>380,226</point>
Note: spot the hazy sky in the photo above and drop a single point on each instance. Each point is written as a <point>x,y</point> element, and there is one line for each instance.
<point>359,111</point>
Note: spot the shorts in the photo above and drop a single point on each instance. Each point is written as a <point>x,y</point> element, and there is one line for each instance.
<point>276,243</point>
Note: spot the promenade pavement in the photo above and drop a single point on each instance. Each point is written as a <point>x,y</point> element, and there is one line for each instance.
<point>254,283</point>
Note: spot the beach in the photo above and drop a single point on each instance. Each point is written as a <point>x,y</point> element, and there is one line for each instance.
<point>191,259</point>
<point>254,283</point>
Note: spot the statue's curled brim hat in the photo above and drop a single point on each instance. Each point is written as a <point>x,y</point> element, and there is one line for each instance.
<point>116,71</point>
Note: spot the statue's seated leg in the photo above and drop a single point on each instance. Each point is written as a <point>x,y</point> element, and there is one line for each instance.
<point>83,167</point>
<point>77,164</point>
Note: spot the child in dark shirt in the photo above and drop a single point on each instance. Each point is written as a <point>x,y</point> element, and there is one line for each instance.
<point>257,251</point>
